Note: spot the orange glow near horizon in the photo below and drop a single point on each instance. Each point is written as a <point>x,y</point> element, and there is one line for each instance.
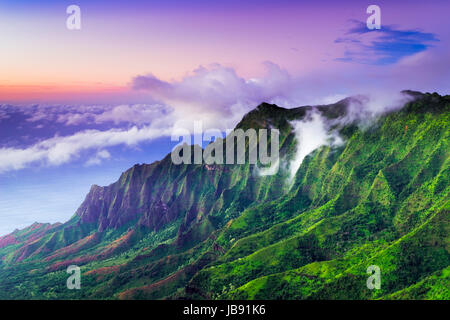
<point>55,92</point>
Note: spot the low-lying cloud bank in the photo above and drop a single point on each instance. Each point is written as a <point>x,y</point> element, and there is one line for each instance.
<point>60,150</point>
<point>216,95</point>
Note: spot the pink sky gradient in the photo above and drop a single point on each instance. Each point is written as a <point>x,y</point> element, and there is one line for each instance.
<point>42,60</point>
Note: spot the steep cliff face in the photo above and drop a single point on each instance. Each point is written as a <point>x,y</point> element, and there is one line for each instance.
<point>208,231</point>
<point>152,196</point>
<point>156,194</point>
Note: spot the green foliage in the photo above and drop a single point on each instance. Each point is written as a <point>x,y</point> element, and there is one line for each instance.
<point>166,231</point>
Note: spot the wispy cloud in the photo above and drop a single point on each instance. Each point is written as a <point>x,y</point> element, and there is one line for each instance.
<point>98,158</point>
<point>60,150</point>
<point>384,46</point>
<point>74,115</point>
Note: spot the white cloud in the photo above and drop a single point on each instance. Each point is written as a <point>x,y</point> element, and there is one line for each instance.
<point>98,158</point>
<point>217,95</point>
<point>60,150</point>
<point>363,109</point>
<point>314,130</point>
<point>138,114</point>
<point>310,134</point>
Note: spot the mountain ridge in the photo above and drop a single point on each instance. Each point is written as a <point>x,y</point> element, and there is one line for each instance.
<point>165,227</point>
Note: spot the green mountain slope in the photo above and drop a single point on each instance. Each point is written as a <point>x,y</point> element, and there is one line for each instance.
<point>222,231</point>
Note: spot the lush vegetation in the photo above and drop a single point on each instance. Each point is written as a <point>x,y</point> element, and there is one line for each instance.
<point>223,232</point>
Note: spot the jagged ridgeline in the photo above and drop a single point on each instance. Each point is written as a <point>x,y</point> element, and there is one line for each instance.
<point>379,197</point>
